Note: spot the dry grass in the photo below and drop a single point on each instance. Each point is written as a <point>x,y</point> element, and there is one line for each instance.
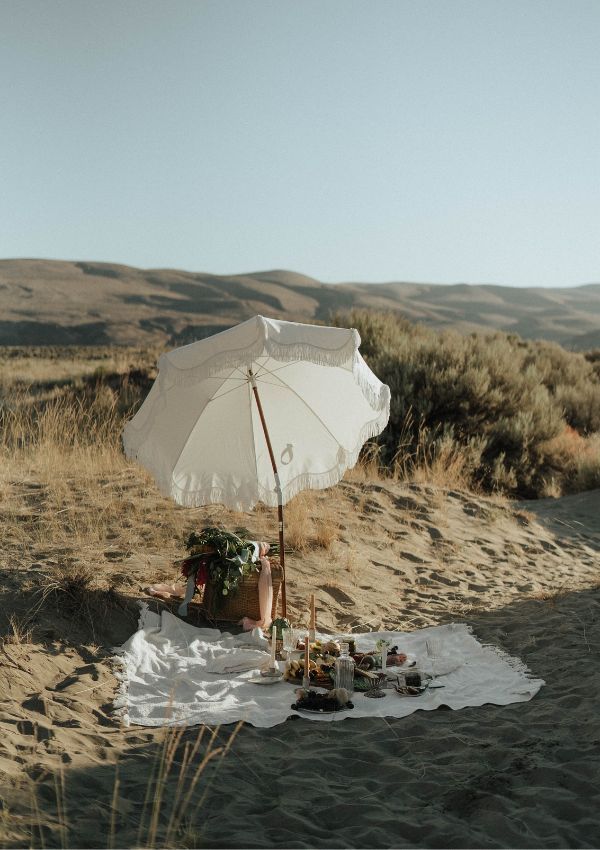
<point>349,562</point>
<point>326,532</point>
<point>577,461</point>
<point>66,479</point>
<point>435,459</point>
<point>19,631</point>
<point>369,467</point>
<point>524,517</point>
<point>39,370</point>
<point>175,792</point>
<point>308,524</point>
<point>299,526</point>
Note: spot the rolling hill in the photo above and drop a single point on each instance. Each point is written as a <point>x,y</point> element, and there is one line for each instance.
<point>51,302</point>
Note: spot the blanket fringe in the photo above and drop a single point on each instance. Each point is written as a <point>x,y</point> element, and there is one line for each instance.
<point>513,661</point>
<point>119,669</point>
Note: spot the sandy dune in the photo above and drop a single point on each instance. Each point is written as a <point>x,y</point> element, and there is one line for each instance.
<point>524,775</point>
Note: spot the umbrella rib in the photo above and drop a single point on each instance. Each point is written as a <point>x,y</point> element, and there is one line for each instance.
<point>271,384</point>
<point>309,408</point>
<point>220,378</point>
<point>272,371</point>
<point>217,397</point>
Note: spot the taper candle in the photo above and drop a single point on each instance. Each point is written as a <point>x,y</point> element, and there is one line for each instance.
<point>306,678</point>
<point>313,618</point>
<point>273,644</point>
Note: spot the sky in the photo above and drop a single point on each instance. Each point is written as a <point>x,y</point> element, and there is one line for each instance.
<point>449,141</point>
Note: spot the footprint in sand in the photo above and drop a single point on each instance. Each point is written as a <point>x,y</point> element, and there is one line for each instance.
<point>41,733</point>
<point>387,566</point>
<point>37,703</point>
<point>406,503</point>
<point>408,556</point>
<point>444,579</point>
<point>338,595</point>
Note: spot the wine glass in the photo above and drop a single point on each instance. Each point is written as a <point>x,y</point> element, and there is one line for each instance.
<point>433,646</point>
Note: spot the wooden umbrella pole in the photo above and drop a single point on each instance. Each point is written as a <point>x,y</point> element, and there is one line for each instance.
<point>277,489</point>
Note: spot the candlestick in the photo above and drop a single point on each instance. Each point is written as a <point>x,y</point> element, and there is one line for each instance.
<point>313,618</point>
<point>273,645</point>
<point>306,678</point>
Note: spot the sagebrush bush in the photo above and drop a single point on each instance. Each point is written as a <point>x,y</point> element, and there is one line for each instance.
<point>489,411</point>
<point>493,400</point>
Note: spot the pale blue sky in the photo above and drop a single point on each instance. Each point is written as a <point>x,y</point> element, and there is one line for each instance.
<point>429,141</point>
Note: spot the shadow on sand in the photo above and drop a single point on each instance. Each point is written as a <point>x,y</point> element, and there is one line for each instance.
<point>523,775</point>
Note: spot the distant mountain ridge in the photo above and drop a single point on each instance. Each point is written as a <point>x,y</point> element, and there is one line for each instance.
<point>55,302</point>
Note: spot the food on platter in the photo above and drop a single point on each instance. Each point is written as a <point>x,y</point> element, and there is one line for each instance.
<point>317,673</point>
<point>413,684</point>
<point>337,699</point>
<point>322,658</point>
<point>395,658</point>
<point>372,660</point>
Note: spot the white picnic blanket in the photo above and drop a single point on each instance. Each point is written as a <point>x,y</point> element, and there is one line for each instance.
<point>174,674</point>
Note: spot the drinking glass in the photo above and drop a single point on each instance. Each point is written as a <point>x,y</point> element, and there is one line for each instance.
<point>433,646</point>
<point>289,641</point>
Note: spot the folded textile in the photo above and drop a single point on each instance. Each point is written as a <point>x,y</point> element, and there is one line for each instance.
<point>238,661</point>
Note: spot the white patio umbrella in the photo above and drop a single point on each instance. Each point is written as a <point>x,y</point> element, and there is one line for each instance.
<point>258,413</point>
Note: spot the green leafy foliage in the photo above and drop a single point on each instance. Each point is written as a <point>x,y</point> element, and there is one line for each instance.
<point>228,555</point>
<point>231,556</point>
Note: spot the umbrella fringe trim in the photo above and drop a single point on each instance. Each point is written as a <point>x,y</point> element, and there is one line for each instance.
<point>245,357</point>
<point>377,394</point>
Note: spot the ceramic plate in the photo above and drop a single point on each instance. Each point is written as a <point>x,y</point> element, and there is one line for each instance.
<point>265,680</point>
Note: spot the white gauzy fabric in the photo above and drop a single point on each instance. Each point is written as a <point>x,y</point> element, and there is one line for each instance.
<point>165,678</point>
<point>199,432</point>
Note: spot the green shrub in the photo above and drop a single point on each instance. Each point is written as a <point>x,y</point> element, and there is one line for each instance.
<point>498,399</point>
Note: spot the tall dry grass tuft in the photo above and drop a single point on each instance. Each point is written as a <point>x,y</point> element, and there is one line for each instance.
<point>299,525</point>
<point>176,789</point>
<point>370,466</point>
<point>326,531</point>
<point>19,631</point>
<point>574,461</point>
<point>310,524</point>
<point>436,457</point>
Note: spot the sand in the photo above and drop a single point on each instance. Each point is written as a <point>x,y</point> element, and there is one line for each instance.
<point>525,576</point>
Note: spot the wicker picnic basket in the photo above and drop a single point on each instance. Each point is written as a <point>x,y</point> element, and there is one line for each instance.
<point>244,601</point>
